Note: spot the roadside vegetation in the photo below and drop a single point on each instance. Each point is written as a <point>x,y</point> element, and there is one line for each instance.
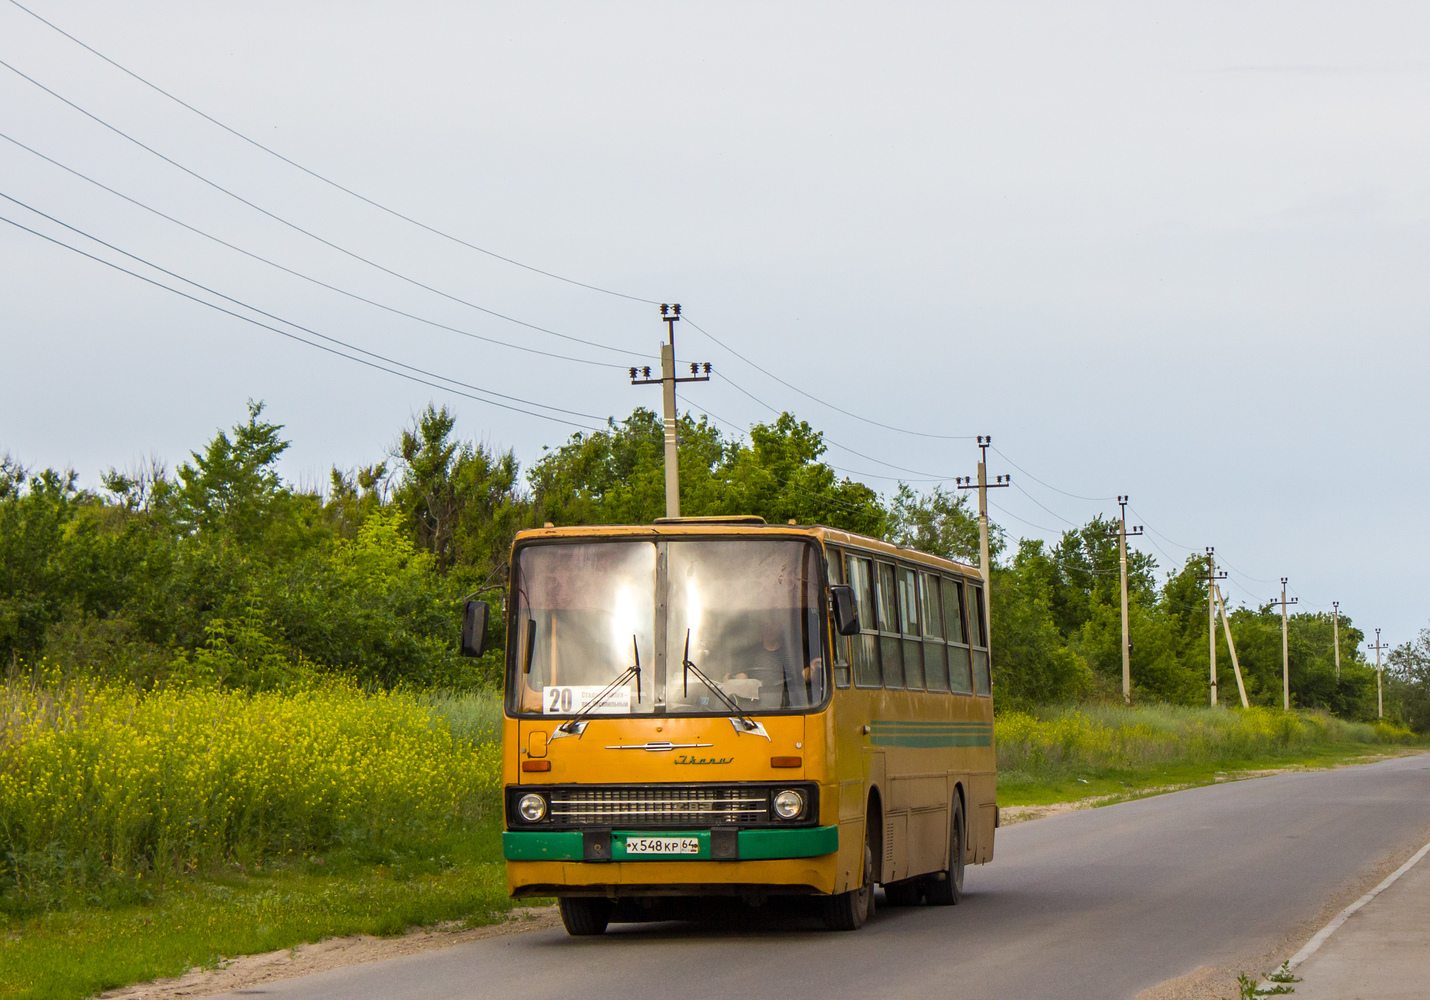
<point>234,718</point>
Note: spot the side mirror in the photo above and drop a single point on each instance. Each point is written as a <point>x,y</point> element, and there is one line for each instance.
<point>846,613</point>
<point>474,627</point>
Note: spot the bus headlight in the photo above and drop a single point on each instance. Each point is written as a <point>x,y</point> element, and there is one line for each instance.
<point>532,807</point>
<point>789,804</point>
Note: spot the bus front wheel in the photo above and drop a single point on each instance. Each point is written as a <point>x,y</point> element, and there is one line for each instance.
<point>585,915</point>
<point>847,911</point>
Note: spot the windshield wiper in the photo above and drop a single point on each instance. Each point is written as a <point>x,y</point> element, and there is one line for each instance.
<point>576,723</point>
<point>738,718</point>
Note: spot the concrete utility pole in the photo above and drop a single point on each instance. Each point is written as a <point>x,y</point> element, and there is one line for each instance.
<point>1211,578</point>
<point>1122,535</point>
<point>667,381</point>
<point>1336,635</point>
<point>1285,649</point>
<point>983,486</point>
<point>1379,694</point>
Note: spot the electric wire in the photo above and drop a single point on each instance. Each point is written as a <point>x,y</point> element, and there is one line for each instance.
<point>327,180</point>
<point>288,322</point>
<point>821,402</point>
<point>295,337</point>
<point>842,447</point>
<point>1034,478</point>
<point>299,274</point>
<point>311,235</point>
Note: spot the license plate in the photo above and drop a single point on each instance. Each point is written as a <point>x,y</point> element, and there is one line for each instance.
<point>662,845</point>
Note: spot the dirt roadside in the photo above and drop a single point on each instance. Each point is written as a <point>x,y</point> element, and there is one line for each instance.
<point>249,971</point>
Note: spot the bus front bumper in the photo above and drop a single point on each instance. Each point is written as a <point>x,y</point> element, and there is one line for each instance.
<point>599,846</point>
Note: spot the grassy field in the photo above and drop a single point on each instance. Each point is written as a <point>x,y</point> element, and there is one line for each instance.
<point>143,834</point>
<point>1064,754</point>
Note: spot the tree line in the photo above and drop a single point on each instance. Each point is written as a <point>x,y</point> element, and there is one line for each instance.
<point>219,569</point>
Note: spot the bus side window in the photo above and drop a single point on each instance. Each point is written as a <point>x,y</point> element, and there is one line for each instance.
<point>864,647</point>
<point>909,624</point>
<point>841,642</point>
<point>889,638</point>
<point>960,673</point>
<point>982,682</point>
<point>935,652</point>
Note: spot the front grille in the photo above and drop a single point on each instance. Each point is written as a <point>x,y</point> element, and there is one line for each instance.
<point>660,806</point>
<point>653,805</point>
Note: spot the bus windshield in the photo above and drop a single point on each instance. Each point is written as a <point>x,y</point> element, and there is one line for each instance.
<point>747,611</point>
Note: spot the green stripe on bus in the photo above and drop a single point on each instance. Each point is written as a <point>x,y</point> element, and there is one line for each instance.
<point>929,740</point>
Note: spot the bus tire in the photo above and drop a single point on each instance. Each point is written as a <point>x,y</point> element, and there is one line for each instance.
<point>948,889</point>
<point>585,915</point>
<point>847,911</point>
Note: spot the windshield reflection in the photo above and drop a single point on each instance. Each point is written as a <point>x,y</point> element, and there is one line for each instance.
<point>748,608</point>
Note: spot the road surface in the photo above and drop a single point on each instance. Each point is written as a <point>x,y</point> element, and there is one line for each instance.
<point>1096,904</point>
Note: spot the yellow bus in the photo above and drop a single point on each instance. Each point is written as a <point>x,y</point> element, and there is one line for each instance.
<point>721,707</point>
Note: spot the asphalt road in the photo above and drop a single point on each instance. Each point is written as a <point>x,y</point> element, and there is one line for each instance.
<point>1095,904</point>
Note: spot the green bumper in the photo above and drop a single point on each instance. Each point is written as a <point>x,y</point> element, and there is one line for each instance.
<point>754,845</point>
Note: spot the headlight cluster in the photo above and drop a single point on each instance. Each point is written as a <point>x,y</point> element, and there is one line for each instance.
<point>788,804</point>
<point>532,807</point>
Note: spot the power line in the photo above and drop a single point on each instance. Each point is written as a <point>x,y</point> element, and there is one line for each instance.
<point>843,447</point>
<point>1040,504</point>
<point>299,274</point>
<point>280,319</point>
<point>299,229</point>
<point>301,340</point>
<point>326,180</point>
<point>1035,479</point>
<point>822,402</point>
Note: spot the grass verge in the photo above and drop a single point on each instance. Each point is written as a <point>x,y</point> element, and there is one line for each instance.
<point>195,920</point>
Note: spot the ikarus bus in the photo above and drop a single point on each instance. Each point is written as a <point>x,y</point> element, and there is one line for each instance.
<point>719,707</point>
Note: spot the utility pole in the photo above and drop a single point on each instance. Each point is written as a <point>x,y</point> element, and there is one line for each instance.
<point>983,486</point>
<point>1231,647</point>
<point>1211,578</point>
<point>1379,695</point>
<point>1122,535</point>
<point>1285,649</point>
<point>1336,634</point>
<point>641,376</point>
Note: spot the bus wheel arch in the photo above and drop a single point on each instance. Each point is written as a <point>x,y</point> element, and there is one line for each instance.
<point>874,826</point>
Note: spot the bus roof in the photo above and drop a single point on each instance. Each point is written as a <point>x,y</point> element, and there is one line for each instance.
<point>726,527</point>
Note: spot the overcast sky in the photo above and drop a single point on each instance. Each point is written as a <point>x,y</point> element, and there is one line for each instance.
<point>1175,251</point>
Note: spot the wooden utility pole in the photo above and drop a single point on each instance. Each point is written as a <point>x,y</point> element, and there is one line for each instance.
<point>1122,535</point>
<point>1379,694</point>
<point>1211,578</point>
<point>667,381</point>
<point>1285,648</point>
<point>983,486</point>
<point>1336,635</point>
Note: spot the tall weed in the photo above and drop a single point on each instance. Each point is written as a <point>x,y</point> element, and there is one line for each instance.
<point>101,781</point>
<point>1058,741</point>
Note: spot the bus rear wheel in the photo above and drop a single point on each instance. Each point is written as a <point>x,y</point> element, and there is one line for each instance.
<point>847,911</point>
<point>946,888</point>
<point>585,915</point>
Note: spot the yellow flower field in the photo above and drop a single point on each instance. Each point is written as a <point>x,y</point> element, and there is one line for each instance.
<point>99,778</point>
